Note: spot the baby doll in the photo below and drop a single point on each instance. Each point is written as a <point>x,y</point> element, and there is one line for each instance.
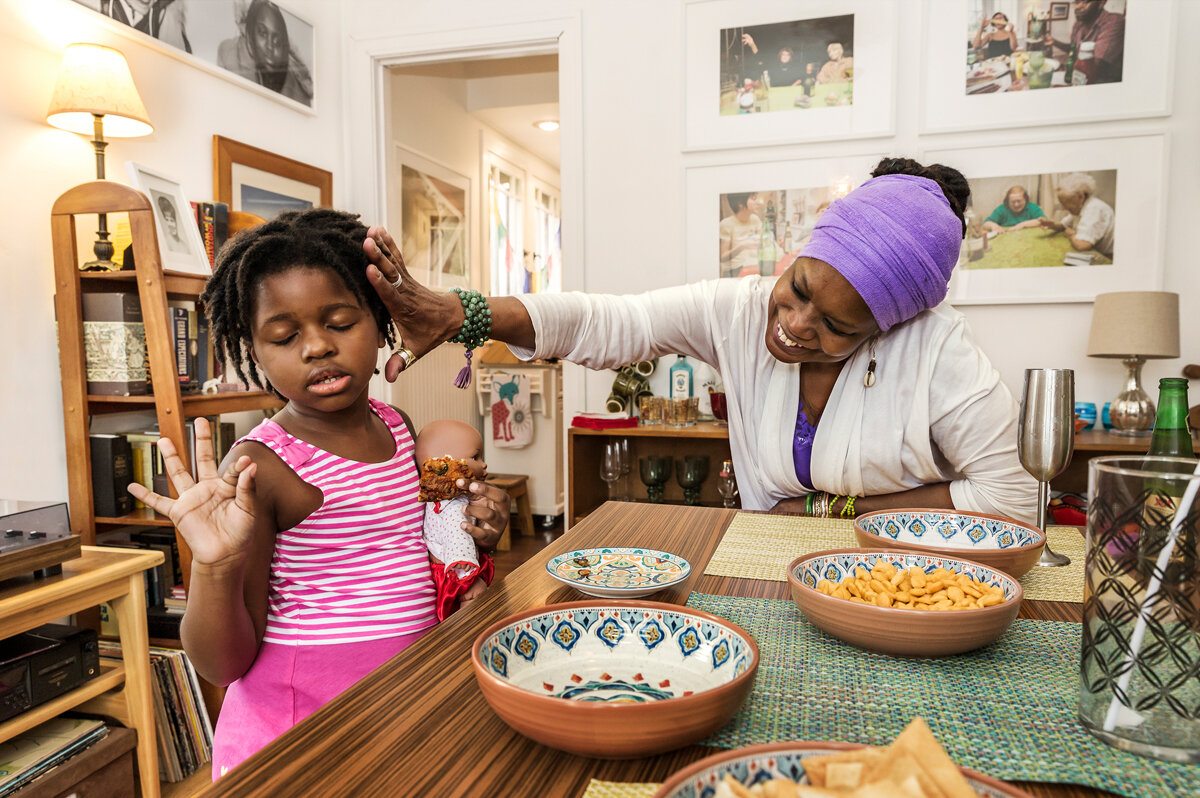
<point>745,97</point>
<point>448,450</point>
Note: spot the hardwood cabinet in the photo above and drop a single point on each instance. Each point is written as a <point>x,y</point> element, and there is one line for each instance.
<point>154,287</point>
<point>587,490</point>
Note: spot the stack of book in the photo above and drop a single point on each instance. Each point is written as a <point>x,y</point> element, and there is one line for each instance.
<point>32,753</point>
<point>1073,258</point>
<point>180,718</point>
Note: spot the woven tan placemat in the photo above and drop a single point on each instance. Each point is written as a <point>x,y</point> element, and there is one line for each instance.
<point>618,789</point>
<point>759,546</point>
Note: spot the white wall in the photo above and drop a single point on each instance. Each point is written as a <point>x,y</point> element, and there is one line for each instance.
<point>632,174</point>
<point>187,106</point>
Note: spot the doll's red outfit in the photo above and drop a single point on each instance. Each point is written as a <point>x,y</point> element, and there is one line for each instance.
<point>462,564</point>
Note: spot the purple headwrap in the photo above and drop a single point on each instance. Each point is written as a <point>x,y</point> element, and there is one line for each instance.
<point>896,239</point>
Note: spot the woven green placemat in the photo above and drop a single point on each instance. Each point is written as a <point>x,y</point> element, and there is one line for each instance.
<point>761,546</point>
<point>619,789</point>
<point>1007,710</point>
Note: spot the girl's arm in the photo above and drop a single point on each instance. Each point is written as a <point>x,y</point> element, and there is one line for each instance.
<point>221,522</point>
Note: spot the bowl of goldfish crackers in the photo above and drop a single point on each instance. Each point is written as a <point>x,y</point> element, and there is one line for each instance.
<point>914,766</point>
<point>904,603</point>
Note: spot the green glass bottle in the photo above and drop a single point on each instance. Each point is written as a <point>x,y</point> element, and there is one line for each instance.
<point>1069,70</point>
<point>1170,438</point>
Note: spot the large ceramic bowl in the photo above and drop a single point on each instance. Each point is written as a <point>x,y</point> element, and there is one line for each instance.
<point>902,632</point>
<point>995,541</point>
<point>615,679</point>
<point>619,572</point>
<point>757,763</point>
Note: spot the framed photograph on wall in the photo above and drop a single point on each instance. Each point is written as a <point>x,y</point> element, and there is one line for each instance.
<point>258,43</point>
<point>263,183</point>
<point>993,64</point>
<point>434,224</point>
<point>754,218</point>
<point>1060,221</point>
<point>180,246</point>
<point>775,73</point>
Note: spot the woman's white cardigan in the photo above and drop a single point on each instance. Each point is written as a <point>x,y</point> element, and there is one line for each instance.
<point>938,411</point>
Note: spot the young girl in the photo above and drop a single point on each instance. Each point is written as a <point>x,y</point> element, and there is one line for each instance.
<point>308,565</point>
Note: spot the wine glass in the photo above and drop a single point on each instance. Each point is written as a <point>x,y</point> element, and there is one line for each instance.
<point>1046,437</point>
<point>610,466</point>
<point>690,473</point>
<point>655,471</point>
<point>727,484</point>
<point>626,466</point>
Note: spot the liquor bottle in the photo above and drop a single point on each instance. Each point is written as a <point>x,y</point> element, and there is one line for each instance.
<point>809,80</point>
<point>1069,72</point>
<point>681,378</point>
<point>767,254</point>
<point>1170,438</point>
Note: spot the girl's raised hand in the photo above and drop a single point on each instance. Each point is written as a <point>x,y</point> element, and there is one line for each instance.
<point>216,514</point>
<point>423,317</point>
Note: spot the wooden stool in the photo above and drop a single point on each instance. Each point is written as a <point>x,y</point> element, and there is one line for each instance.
<point>515,485</point>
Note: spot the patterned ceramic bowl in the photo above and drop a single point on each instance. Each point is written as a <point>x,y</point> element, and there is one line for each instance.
<point>615,679</point>
<point>758,763</point>
<point>890,630</point>
<point>619,572</point>
<point>995,541</point>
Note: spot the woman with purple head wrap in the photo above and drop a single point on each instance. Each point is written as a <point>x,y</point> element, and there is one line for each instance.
<point>850,385</point>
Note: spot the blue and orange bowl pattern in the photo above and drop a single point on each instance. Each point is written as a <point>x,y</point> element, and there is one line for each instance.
<point>619,572</point>
<point>993,540</point>
<point>836,567</point>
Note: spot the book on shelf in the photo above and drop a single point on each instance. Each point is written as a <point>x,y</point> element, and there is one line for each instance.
<point>31,753</point>
<point>186,346</point>
<point>163,539</point>
<point>112,465</point>
<point>114,344</point>
<point>182,725</point>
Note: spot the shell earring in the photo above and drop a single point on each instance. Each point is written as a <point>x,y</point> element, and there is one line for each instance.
<point>869,377</point>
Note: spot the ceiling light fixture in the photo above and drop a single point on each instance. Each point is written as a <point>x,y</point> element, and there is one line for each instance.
<point>548,125</point>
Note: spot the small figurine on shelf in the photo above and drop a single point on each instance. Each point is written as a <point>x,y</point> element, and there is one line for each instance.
<point>450,450</point>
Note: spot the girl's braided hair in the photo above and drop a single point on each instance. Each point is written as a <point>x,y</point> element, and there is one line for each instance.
<point>318,239</point>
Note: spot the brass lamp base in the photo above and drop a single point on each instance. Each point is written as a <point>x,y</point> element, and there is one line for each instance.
<point>1132,412</point>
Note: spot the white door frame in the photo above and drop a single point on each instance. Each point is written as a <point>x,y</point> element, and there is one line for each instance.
<point>367,128</point>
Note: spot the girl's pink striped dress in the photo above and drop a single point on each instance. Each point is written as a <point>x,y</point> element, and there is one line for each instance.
<point>350,586</point>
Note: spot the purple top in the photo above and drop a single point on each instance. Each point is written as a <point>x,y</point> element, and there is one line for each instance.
<point>802,447</point>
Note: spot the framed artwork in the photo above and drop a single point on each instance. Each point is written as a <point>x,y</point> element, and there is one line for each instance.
<point>434,222</point>
<point>258,43</point>
<point>180,246</point>
<point>1101,202</point>
<point>773,73</point>
<point>263,183</point>
<point>754,219</point>
<point>986,70</point>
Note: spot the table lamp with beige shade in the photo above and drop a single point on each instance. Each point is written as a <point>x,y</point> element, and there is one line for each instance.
<point>95,92</point>
<point>1134,326</point>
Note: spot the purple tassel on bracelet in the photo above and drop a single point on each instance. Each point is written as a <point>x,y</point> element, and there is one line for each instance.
<point>464,374</point>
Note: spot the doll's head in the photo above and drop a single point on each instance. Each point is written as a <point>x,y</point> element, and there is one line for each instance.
<point>450,438</point>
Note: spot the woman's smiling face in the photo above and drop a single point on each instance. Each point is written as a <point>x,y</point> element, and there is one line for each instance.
<point>815,315</point>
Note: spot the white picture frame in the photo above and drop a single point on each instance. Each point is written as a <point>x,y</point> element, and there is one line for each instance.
<point>209,35</point>
<point>705,185</point>
<point>180,246</point>
<point>871,113</point>
<point>425,186</point>
<point>1145,88</point>
<point>1140,218</point>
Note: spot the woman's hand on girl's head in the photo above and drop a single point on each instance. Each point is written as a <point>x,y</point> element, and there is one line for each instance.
<point>424,318</point>
<point>488,505</point>
<point>216,514</point>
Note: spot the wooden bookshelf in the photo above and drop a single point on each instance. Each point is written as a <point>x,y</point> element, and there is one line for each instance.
<point>154,287</point>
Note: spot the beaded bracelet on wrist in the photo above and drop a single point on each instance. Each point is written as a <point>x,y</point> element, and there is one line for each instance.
<point>476,328</point>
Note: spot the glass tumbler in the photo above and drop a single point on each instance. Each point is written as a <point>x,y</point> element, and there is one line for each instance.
<point>1139,687</point>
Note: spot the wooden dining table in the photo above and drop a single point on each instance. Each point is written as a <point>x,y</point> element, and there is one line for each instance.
<point>419,726</point>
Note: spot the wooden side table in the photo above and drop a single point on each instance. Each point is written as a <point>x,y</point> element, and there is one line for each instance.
<point>120,691</point>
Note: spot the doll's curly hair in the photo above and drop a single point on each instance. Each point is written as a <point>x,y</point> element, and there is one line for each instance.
<point>318,239</point>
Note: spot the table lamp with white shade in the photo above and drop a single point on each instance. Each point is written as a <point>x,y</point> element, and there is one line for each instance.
<point>95,93</point>
<point>1134,326</point>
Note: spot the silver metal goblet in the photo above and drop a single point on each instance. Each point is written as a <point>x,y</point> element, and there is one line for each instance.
<point>1046,437</point>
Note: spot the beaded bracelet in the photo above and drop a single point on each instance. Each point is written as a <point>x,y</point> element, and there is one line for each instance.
<point>848,508</point>
<point>808,503</point>
<point>476,328</point>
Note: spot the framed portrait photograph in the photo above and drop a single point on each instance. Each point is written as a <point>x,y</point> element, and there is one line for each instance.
<point>180,246</point>
<point>754,219</point>
<point>998,64</point>
<point>434,221</point>
<point>259,43</point>
<point>1060,221</point>
<point>256,181</point>
<point>776,73</point>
